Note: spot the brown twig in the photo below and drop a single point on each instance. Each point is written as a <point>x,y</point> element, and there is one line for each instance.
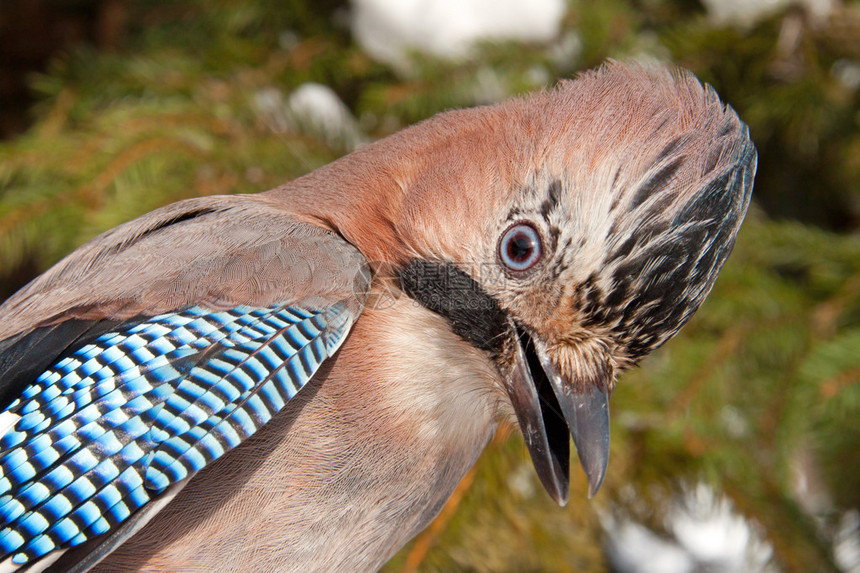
<point>824,316</point>
<point>835,384</point>
<point>727,345</point>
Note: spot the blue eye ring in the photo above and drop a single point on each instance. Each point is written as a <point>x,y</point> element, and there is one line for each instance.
<point>520,247</point>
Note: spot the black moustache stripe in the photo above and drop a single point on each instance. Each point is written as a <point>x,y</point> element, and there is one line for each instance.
<point>441,287</point>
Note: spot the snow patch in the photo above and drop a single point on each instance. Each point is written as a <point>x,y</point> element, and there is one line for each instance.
<point>703,533</point>
<point>846,542</point>
<point>388,30</point>
<point>311,108</point>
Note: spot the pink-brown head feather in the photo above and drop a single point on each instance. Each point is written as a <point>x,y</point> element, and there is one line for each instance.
<point>625,150</point>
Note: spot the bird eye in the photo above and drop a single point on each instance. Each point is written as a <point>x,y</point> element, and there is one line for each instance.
<point>520,247</point>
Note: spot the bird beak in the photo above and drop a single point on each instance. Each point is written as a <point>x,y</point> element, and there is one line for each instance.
<point>547,406</point>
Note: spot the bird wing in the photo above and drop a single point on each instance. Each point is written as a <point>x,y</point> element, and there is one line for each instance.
<point>158,347</point>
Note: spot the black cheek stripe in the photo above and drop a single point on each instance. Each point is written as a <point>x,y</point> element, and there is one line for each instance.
<point>441,287</point>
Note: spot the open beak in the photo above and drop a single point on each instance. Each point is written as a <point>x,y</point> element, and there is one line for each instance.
<point>547,406</point>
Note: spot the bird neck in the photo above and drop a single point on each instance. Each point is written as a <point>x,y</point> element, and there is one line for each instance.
<point>354,198</point>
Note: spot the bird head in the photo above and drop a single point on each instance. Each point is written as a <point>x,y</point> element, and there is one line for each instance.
<point>567,234</point>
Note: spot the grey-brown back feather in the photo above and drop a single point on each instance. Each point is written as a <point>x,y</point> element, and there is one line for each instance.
<point>218,252</point>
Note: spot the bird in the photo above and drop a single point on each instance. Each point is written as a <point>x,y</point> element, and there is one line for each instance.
<point>298,379</point>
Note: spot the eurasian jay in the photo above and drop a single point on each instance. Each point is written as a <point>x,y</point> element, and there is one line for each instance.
<point>297,380</point>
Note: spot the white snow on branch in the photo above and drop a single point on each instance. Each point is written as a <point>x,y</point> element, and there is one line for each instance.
<point>311,108</point>
<point>388,30</point>
<point>703,533</point>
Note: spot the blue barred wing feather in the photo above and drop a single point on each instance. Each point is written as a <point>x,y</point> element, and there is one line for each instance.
<point>112,424</point>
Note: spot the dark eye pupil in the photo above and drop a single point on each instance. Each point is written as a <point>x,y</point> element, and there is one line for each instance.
<point>520,247</point>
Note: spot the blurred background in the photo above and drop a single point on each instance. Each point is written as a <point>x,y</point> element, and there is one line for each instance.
<point>736,447</point>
